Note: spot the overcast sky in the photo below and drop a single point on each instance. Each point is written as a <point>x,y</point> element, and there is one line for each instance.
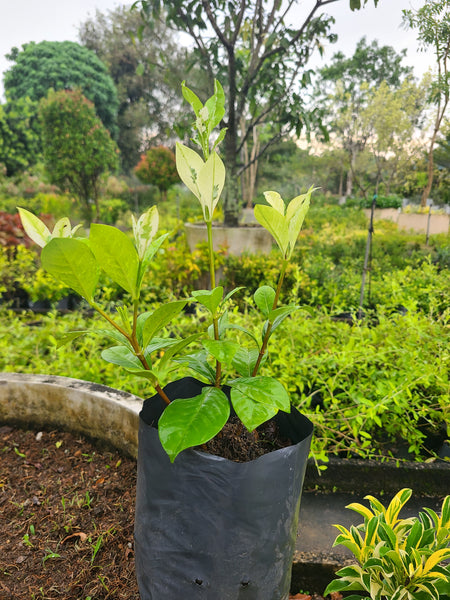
<point>23,21</point>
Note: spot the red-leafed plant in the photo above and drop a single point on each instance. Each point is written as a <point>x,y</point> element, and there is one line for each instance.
<point>158,167</point>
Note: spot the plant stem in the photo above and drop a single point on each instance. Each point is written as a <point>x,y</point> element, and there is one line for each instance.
<point>134,343</point>
<point>212,275</point>
<point>270,323</point>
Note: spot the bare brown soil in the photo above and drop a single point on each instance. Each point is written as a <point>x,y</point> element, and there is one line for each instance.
<point>66,519</point>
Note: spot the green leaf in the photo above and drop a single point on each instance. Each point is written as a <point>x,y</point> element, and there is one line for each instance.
<point>216,106</point>
<point>159,318</point>
<point>244,361</point>
<point>69,337</point>
<point>122,356</point>
<point>152,249</point>
<point>115,335</point>
<point>116,255</point>
<point>232,292</point>
<point>34,227</point>
<point>199,364</point>
<point>295,215</point>
<point>445,512</point>
<point>275,223</point>
<point>220,137</point>
<point>244,330</point>
<point>339,585</point>
<point>414,536</point>
<point>174,349</point>
<point>193,421</point>
<point>251,413</point>
<point>371,531</point>
<point>278,315</point>
<point>191,97</point>
<point>72,262</point>
<point>264,299</point>
<point>265,390</point>
<point>211,299</point>
<point>221,350</point>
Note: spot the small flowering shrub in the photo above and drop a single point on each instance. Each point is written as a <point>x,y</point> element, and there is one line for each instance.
<point>157,167</point>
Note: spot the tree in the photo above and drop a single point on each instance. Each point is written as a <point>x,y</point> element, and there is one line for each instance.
<point>20,144</point>
<point>343,91</point>
<point>149,95</point>
<point>391,117</point>
<point>258,57</point>
<point>78,149</point>
<point>433,24</point>
<point>158,167</point>
<point>61,66</point>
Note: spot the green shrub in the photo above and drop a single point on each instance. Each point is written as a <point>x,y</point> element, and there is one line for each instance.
<point>396,558</point>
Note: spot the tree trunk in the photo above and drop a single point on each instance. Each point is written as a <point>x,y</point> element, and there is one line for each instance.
<point>349,187</point>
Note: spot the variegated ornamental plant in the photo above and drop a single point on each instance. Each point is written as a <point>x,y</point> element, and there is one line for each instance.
<point>397,559</point>
<point>136,334</point>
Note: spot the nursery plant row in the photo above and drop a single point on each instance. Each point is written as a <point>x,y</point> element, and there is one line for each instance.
<point>372,391</point>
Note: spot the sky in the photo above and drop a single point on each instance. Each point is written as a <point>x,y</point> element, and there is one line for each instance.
<point>23,21</point>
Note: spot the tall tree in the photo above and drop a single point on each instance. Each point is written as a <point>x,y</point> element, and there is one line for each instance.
<point>391,117</point>
<point>345,87</point>
<point>432,22</point>
<point>61,66</point>
<point>78,149</point>
<point>148,92</point>
<point>259,58</point>
<point>20,144</point>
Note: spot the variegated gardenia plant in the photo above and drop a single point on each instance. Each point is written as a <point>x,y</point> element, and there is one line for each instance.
<point>397,559</point>
<point>137,335</point>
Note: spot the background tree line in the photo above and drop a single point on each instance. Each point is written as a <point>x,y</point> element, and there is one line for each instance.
<point>361,113</point>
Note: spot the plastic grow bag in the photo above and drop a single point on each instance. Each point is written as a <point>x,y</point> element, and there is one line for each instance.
<point>209,528</point>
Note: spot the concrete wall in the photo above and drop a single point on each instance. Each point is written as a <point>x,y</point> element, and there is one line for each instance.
<point>415,222</point>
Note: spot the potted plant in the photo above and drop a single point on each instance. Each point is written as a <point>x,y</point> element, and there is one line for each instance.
<point>206,526</point>
<point>397,559</point>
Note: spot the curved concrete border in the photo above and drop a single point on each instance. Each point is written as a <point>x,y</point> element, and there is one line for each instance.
<point>95,410</point>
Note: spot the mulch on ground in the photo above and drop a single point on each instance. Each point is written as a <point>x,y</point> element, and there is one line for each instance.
<point>66,519</point>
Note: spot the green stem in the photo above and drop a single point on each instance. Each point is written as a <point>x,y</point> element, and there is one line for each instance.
<point>270,323</point>
<point>212,275</point>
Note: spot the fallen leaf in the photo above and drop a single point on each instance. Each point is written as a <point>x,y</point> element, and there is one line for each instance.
<point>82,536</point>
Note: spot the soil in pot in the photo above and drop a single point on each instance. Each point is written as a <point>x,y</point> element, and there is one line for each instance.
<point>66,519</point>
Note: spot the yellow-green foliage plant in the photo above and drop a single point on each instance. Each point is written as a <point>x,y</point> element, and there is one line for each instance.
<point>397,559</point>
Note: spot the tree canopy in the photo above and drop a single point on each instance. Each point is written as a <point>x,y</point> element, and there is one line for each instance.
<point>148,92</point>
<point>78,149</point>
<point>432,22</point>
<point>42,66</point>
<point>352,93</point>
<point>259,57</point>
<point>20,144</point>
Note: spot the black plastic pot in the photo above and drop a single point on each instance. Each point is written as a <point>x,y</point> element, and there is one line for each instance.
<point>210,528</point>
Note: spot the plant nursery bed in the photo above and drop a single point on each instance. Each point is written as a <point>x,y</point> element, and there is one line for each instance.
<point>66,518</point>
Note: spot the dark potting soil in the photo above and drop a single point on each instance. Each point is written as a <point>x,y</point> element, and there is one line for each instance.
<point>66,519</point>
<point>235,443</point>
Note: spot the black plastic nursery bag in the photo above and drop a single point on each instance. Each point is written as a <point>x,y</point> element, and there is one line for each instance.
<point>209,528</point>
